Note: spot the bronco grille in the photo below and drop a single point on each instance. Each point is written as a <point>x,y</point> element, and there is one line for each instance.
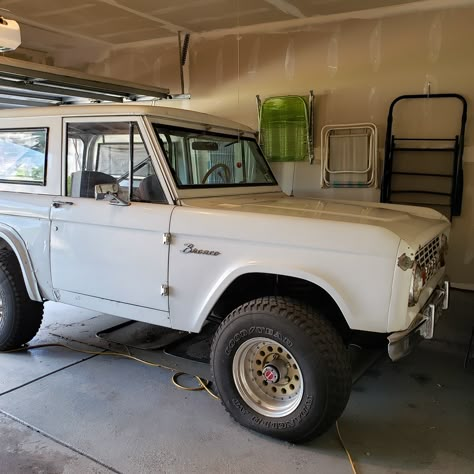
<point>429,257</point>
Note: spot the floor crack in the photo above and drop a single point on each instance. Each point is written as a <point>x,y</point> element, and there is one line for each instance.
<point>61,443</point>
<point>47,375</point>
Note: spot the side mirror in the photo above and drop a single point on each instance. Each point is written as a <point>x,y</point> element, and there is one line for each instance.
<point>109,192</point>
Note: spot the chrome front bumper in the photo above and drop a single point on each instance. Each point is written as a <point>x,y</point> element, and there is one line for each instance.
<point>401,343</point>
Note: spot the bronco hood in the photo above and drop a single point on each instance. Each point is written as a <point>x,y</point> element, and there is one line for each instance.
<point>415,225</point>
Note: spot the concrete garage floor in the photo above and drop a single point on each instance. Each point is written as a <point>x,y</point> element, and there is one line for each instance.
<point>66,412</point>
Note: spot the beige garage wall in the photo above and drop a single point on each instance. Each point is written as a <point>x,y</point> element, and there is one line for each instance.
<point>355,67</point>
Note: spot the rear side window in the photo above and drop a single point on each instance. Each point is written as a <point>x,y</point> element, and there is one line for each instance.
<point>23,155</point>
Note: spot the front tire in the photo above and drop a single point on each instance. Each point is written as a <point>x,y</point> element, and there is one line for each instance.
<point>281,369</point>
<point>20,317</point>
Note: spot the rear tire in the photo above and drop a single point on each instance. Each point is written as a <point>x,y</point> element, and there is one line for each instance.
<point>281,369</point>
<point>20,317</point>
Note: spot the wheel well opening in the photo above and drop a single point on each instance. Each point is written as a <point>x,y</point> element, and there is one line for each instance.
<point>14,257</point>
<point>254,285</point>
<point>5,245</point>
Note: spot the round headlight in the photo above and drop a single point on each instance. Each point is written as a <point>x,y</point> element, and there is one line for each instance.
<point>416,284</point>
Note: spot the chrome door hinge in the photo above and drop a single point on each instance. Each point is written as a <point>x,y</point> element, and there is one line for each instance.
<point>166,239</point>
<point>165,290</point>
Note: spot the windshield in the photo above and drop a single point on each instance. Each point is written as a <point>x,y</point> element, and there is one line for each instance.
<point>204,159</point>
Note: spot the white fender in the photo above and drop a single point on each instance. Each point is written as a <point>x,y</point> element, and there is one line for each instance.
<point>226,280</point>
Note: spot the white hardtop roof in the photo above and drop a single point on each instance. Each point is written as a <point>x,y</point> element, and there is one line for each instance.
<point>95,110</point>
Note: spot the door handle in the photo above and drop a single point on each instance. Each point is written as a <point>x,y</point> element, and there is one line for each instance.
<point>57,204</point>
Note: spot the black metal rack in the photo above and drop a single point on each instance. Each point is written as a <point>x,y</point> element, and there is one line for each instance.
<point>442,189</point>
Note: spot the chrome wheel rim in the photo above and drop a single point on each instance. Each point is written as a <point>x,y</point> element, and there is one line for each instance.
<point>267,377</point>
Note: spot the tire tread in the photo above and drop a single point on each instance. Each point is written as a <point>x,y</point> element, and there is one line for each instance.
<point>322,334</point>
<point>28,313</point>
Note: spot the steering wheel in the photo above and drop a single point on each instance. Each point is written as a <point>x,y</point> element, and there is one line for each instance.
<point>214,168</point>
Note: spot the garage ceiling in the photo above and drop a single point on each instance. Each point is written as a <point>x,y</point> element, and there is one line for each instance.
<point>118,23</point>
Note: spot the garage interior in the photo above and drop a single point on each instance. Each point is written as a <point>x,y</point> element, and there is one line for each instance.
<point>78,412</point>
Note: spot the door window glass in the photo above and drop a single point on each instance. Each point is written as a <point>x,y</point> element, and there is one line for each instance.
<point>110,152</point>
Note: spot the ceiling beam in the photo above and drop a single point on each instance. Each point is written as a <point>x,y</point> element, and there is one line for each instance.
<point>61,11</point>
<point>68,32</point>
<point>286,7</point>
<point>297,23</point>
<point>163,23</point>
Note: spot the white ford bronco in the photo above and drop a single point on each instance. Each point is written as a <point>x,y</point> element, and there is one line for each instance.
<point>172,217</point>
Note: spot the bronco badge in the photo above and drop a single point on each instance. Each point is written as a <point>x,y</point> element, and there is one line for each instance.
<point>190,248</point>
